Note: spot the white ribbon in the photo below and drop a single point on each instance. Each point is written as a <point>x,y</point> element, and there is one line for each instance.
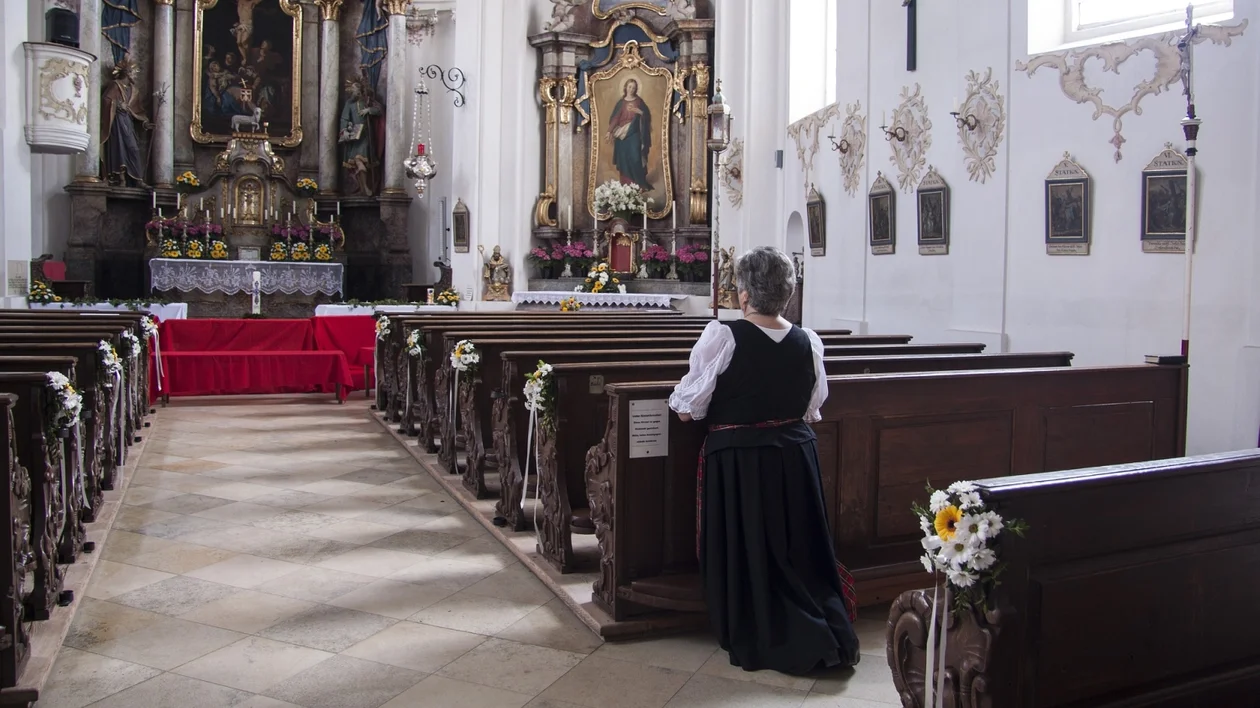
<point>934,691</point>
<point>65,497</point>
<point>532,445</point>
<point>116,399</point>
<point>452,414</point>
<point>78,446</point>
<point>407,410</point>
<point>157,358</point>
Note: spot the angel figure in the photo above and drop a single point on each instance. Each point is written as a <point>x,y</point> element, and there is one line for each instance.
<point>563,15</point>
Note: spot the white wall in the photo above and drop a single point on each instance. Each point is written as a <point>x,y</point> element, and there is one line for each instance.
<point>425,225</point>
<point>997,285</point>
<point>15,154</point>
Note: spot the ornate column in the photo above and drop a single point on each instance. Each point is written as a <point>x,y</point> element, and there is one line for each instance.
<point>89,163</point>
<point>397,136</point>
<point>163,90</point>
<point>181,95</point>
<point>329,77</point>
<point>564,155</point>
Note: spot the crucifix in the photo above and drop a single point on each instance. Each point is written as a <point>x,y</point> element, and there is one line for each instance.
<point>912,33</point>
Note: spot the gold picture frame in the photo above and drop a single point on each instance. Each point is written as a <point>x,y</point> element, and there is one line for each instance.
<point>218,21</point>
<point>603,9</point>
<point>606,89</point>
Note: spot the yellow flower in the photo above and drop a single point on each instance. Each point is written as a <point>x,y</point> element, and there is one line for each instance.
<point>947,521</point>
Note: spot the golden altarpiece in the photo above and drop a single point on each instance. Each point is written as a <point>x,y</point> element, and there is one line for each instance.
<point>624,90</point>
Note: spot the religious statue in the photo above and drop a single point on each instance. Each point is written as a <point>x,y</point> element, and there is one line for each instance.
<point>497,274</point>
<point>244,27</point>
<point>728,297</point>
<point>359,135</point>
<point>630,131</point>
<point>563,15</point>
<point>120,110</point>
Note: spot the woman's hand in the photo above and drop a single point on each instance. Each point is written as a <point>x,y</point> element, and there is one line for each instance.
<point>684,417</point>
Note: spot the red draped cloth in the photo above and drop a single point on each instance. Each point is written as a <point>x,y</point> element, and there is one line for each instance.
<point>213,335</point>
<point>217,373</point>
<point>351,336</point>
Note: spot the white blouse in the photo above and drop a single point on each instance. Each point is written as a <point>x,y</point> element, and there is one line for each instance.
<point>712,354</point>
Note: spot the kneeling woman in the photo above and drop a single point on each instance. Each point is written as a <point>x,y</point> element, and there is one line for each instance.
<point>771,581</point>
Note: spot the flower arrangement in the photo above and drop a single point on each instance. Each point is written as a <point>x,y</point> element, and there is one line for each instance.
<point>958,534</point>
<point>293,232</point>
<point>570,304</point>
<point>41,291</point>
<point>465,357</point>
<point>279,251</point>
<point>323,252</point>
<point>333,233</point>
<point>171,249</point>
<point>131,345</point>
<point>415,346</point>
<point>194,249</point>
<point>300,251</point>
<point>149,326</point>
<point>618,198</point>
<point>159,227</point>
<point>307,187</point>
<point>187,182</point>
<point>657,259</point>
<point>599,279</point>
<point>449,297</point>
<point>382,327</point>
<point>693,263</point>
<point>540,388</point>
<point>110,363</point>
<point>66,403</point>
<point>218,250</point>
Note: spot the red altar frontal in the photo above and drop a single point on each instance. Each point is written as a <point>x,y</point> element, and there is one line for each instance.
<point>216,357</point>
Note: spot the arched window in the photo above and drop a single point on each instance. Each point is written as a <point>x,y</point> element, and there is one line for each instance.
<point>1054,24</point>
<point>811,57</point>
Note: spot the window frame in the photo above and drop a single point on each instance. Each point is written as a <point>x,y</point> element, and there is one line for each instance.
<point>1075,33</point>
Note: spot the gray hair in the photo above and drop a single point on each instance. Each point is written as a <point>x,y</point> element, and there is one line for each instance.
<point>767,275</point>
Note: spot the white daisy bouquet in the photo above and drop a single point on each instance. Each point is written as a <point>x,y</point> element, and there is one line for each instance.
<point>538,389</point>
<point>599,279</point>
<point>414,345</point>
<point>110,363</point>
<point>617,198</point>
<point>464,356</point>
<point>149,327</point>
<point>132,345</point>
<point>382,327</point>
<point>959,534</point>
<point>66,403</point>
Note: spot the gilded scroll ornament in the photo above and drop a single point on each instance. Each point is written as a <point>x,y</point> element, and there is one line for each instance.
<point>73,107</point>
<point>733,173</point>
<point>805,132</point>
<point>853,152</point>
<point>981,137</point>
<point>910,155</point>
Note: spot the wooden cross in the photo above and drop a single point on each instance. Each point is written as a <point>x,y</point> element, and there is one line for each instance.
<point>912,34</point>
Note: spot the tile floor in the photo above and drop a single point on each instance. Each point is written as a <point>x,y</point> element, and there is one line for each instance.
<point>281,552</point>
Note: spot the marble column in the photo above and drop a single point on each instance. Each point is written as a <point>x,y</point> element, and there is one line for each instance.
<point>397,136</point>
<point>181,95</point>
<point>164,87</point>
<point>88,168</point>
<point>329,78</point>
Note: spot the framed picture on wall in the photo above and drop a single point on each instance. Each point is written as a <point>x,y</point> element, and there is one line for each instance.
<point>882,202</point>
<point>933,215</point>
<point>459,226</point>
<point>816,213</point>
<point>1067,209</point>
<point>1164,202</point>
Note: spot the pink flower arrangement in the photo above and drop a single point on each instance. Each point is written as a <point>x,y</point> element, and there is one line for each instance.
<point>655,252</point>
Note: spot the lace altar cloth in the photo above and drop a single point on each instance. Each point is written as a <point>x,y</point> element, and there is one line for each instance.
<point>232,277</point>
<point>553,297</point>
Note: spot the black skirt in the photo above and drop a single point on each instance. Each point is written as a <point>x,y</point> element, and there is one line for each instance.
<point>766,560</point>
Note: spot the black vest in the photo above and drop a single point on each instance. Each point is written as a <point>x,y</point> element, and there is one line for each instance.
<point>766,380</point>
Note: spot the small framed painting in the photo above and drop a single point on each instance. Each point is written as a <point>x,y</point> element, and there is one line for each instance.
<point>248,253</point>
<point>933,215</point>
<point>882,201</point>
<point>1164,202</point>
<point>460,228</point>
<point>1067,209</point>
<point>816,211</point>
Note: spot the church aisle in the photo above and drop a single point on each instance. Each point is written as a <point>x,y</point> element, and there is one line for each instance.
<point>279,552</point>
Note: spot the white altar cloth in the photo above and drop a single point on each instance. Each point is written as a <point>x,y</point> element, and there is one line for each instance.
<point>231,277</point>
<point>554,297</point>
<point>344,310</point>
<point>168,311</point>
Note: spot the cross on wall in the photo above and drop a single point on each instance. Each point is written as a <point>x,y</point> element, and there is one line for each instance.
<point>912,33</point>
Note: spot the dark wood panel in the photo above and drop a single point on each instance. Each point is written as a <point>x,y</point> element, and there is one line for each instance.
<point>1108,434</point>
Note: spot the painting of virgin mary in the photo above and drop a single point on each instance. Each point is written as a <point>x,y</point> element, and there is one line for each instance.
<point>630,132</point>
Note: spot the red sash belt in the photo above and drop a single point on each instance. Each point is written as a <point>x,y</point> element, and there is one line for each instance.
<point>847,588</point>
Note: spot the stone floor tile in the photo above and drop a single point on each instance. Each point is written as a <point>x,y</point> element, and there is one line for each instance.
<point>442,692</point>
<point>703,691</point>
<point>140,495</point>
<point>344,507</point>
<point>418,647</point>
<point>419,541</point>
<point>374,476</point>
<point>333,629</point>
<point>167,643</point>
<point>244,571</point>
<point>514,582</point>
<point>485,550</point>
<point>720,665</point>
<point>377,562</point>
<point>316,584</point>
<point>80,678</point>
<point>345,682</point>
<point>187,503</point>
<point>290,498</point>
<point>175,691</point>
<point>174,596</point>
<point>681,653</point>
<point>553,625</point>
<point>354,531</point>
<point>99,621</point>
<point>111,579</point>
<point>452,574</point>
<point>241,512</point>
<point>253,664</point>
<point>237,491</point>
<point>392,598</point>
<point>870,680</point>
<point>297,521</point>
<point>605,683</point>
<point>457,524</point>
<point>474,613</point>
<point>247,611</point>
<point>522,668</point>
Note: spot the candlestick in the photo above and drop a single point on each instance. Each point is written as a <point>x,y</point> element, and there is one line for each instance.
<point>201,204</point>
<point>955,104</point>
<point>295,207</point>
<point>338,207</point>
<point>673,211</point>
<point>155,199</point>
<point>569,220</point>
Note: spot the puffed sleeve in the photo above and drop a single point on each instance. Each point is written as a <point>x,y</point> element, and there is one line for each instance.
<point>709,358</point>
<point>819,396</point>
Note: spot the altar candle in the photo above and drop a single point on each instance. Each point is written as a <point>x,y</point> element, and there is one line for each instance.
<point>201,204</point>
<point>257,277</point>
<point>955,104</point>
<point>155,199</point>
<point>338,207</point>
<point>569,219</point>
<point>884,121</point>
<point>295,207</point>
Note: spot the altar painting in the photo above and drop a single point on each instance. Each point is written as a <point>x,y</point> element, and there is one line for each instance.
<point>630,108</point>
<point>603,9</point>
<point>247,70</point>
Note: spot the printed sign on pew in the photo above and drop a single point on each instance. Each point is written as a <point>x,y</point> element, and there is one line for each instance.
<point>649,428</point>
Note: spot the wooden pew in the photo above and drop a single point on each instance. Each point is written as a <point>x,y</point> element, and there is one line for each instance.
<point>1134,586</point>
<point>15,516</point>
<point>581,408</point>
<point>881,438</point>
<point>38,452</point>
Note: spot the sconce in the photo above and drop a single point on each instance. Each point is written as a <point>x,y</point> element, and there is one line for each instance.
<point>842,147</point>
<point>970,121</point>
<point>898,132</point>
